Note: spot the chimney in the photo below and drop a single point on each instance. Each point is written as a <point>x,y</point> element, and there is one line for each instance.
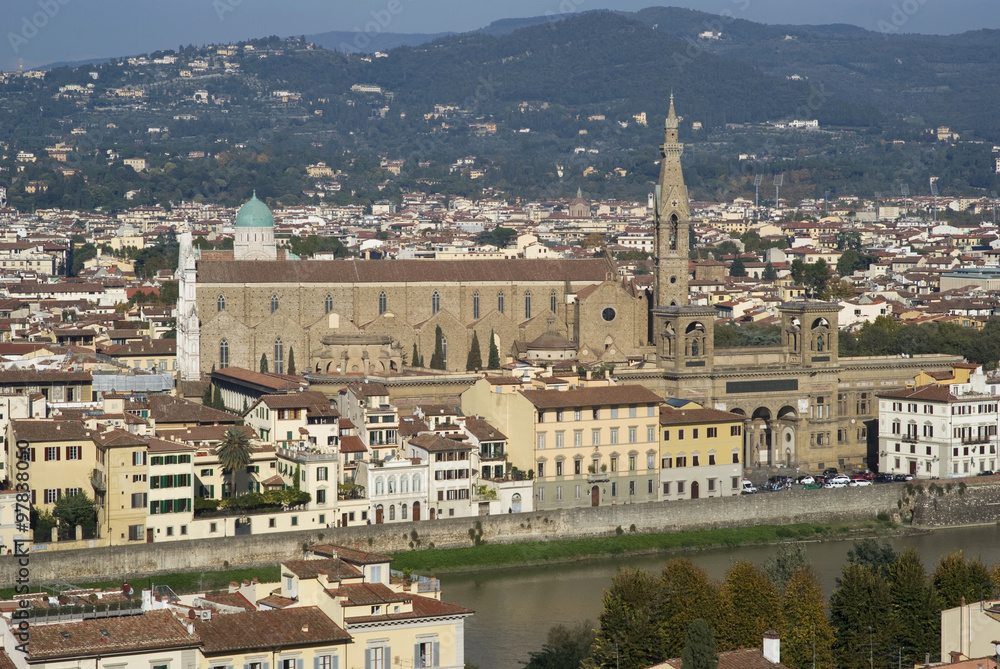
<point>772,647</point>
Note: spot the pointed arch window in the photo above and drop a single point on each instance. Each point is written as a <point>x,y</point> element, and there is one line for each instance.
<point>274,303</point>
<point>382,303</point>
<point>435,302</point>
<point>329,303</point>
<point>475,305</point>
<point>223,354</point>
<point>221,303</point>
<point>552,301</point>
<point>500,302</point>
<point>527,304</point>
<point>279,356</point>
<point>444,351</point>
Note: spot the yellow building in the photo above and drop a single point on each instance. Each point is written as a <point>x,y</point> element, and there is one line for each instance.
<point>62,459</point>
<point>587,446</point>
<point>700,453</point>
<point>122,469</point>
<point>150,354</point>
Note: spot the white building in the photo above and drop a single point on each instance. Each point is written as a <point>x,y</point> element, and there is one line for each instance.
<point>929,432</point>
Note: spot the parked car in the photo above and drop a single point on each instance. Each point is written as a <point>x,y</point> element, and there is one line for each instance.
<point>830,471</point>
<point>807,480</point>
<point>836,483</point>
<point>902,477</point>
<point>882,477</point>
<point>856,482</point>
<point>842,478</point>
<point>748,488</point>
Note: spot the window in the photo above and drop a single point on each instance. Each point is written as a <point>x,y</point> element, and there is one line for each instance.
<point>135,532</point>
<point>500,302</point>
<point>527,304</point>
<point>541,470</point>
<point>321,496</point>
<point>560,439</point>
<point>712,432</point>
<point>735,430</point>
<point>614,489</point>
<point>578,438</point>
<point>711,485</point>
<point>680,487</point>
<point>435,302</point>
<point>322,473</point>
<point>631,487</point>
<point>475,305</point>
<point>220,304</point>
<point>51,453</point>
<point>274,303</point>
<point>559,468</point>
<point>138,458</point>
<point>223,354</point>
<point>614,463</point>
<point>614,412</point>
<point>541,441</point>
<point>650,460</point>
<point>139,500</point>
<point>695,460</point>
<point>52,495</point>
<point>694,433</point>
<point>711,458</point>
<point>631,412</point>
<point>328,303</point>
<point>578,467</point>
<point>595,437</point>
<point>279,356</point>
<point>425,654</point>
<point>444,351</point>
<point>631,463</point>
<point>631,435</point>
<point>666,488</point>
<point>650,433</point>
<point>736,482</point>
<point>614,435</point>
<point>552,301</point>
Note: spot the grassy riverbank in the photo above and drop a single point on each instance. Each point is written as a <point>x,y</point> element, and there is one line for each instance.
<point>486,556</point>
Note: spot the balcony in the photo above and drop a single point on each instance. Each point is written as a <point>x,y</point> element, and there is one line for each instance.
<point>909,438</point>
<point>976,440</point>
<point>99,481</point>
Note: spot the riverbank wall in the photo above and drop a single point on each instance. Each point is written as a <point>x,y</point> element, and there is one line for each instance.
<point>974,503</point>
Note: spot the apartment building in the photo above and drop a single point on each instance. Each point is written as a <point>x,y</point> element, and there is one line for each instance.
<point>700,451</point>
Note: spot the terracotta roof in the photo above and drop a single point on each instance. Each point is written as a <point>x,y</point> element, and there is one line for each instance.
<point>274,382</point>
<point>49,430</point>
<point>423,607</point>
<point>669,416</point>
<point>208,433</point>
<point>410,425</point>
<point>166,409</point>
<point>109,636</point>
<point>402,271</point>
<point>351,555</point>
<point>599,396</point>
<point>359,594</point>
<point>233,599</point>
<point>930,392</point>
<point>5,661</point>
<point>276,602</point>
<point>352,444</point>
<point>434,443</point>
<point>164,446</point>
<point>35,376</point>
<point>255,630</point>
<point>368,389</point>
<point>316,402</point>
<point>482,430</point>
<point>117,438</point>
<point>308,569</point>
<point>744,658</point>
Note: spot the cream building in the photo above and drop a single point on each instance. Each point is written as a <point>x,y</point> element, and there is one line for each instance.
<point>700,453</point>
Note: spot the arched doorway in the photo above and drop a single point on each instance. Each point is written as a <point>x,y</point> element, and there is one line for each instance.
<point>695,490</point>
<point>378,514</point>
<point>432,513</point>
<point>595,496</point>
<point>788,418</point>
<point>416,511</point>
<point>761,437</point>
<point>515,503</point>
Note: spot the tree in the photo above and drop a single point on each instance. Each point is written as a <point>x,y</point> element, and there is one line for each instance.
<point>751,241</point>
<point>798,269</point>
<point>594,240</point>
<point>816,277</point>
<point>841,290</point>
<point>956,578</point>
<point>748,606</point>
<point>565,647</point>
<point>415,360</point>
<point>475,360</point>
<point>861,613</point>
<point>738,269</point>
<point>699,647</point>
<point>917,606</point>
<point>805,627</point>
<point>850,261</point>
<point>234,455</point>
<point>627,636</point>
<point>263,363</point>
<point>872,554</point>
<point>437,359</point>
<point>494,359</point>
<point>789,558</point>
<point>206,398</point>
<point>73,510</point>
<point>688,594</point>
<point>770,274</point>
<point>217,402</point>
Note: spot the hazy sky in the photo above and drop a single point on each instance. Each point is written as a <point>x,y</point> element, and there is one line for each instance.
<point>46,31</point>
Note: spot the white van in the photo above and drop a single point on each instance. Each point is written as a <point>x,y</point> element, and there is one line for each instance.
<point>748,488</point>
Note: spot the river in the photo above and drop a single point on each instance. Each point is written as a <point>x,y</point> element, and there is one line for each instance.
<point>515,607</point>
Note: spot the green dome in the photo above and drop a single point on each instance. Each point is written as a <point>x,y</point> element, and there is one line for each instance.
<point>254,214</point>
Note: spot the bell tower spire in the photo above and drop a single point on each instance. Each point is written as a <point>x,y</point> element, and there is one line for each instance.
<point>673,220</point>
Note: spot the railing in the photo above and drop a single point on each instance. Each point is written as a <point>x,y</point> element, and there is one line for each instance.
<point>909,438</point>
<point>977,440</point>
<point>98,480</point>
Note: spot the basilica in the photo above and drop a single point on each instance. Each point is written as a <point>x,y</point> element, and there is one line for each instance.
<point>803,404</point>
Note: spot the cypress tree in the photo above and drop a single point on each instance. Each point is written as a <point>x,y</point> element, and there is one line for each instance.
<point>699,647</point>
<point>415,357</point>
<point>263,363</point>
<point>291,360</point>
<point>437,359</point>
<point>738,268</point>
<point>804,623</point>
<point>206,398</point>
<point>475,359</point>
<point>916,605</point>
<point>494,360</point>
<point>217,402</point>
<point>770,274</point>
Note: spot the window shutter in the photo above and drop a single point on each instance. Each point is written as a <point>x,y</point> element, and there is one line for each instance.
<point>387,659</point>
<point>246,665</point>
<point>416,656</point>
<point>266,665</point>
<point>299,664</point>
<point>316,662</point>
<point>368,658</point>
<point>437,654</point>
<point>335,662</point>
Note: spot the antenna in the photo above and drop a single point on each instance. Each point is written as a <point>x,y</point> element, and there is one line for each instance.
<point>905,190</point>
<point>778,181</point>
<point>756,189</point>
<point>934,192</point>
